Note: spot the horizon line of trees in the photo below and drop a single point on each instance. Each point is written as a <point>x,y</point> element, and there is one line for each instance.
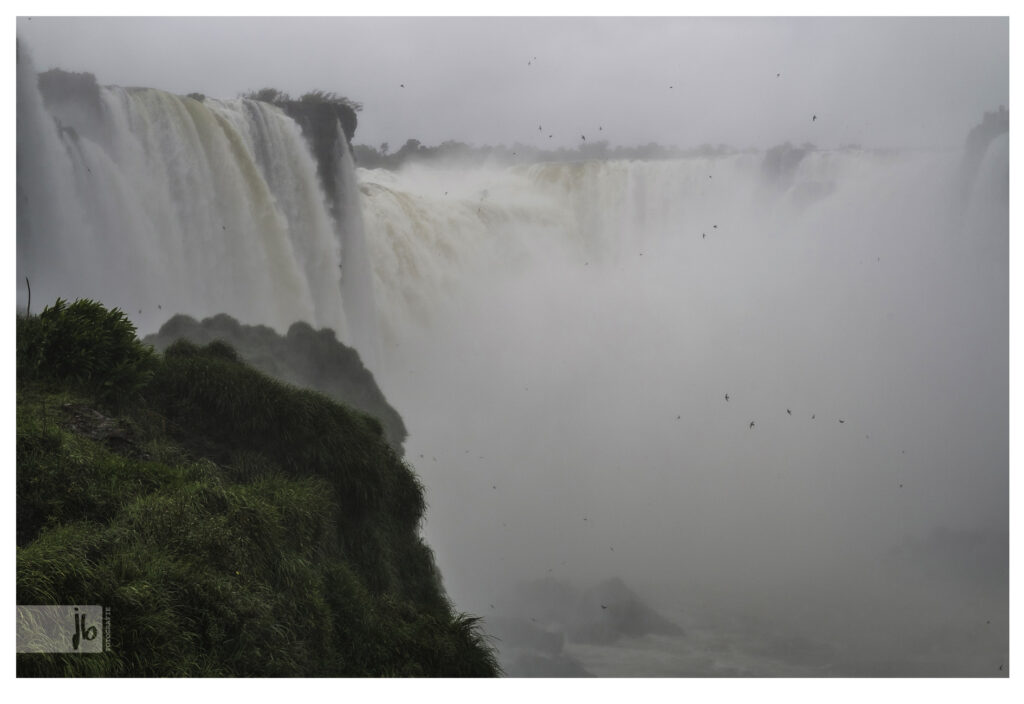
<point>413,150</point>
<point>279,97</point>
<point>382,157</point>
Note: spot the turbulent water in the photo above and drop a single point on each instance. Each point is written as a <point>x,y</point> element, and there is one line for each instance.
<point>560,339</point>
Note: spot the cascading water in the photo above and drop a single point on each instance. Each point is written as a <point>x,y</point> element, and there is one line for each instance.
<point>356,277</point>
<point>559,338</point>
<point>162,204</point>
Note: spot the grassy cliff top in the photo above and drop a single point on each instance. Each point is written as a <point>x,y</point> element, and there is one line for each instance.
<point>235,525</point>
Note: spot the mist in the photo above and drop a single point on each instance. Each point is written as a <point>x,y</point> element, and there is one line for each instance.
<point>766,389</point>
<point>567,406</point>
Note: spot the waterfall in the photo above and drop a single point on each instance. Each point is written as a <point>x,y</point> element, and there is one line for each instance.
<point>356,277</point>
<point>162,204</point>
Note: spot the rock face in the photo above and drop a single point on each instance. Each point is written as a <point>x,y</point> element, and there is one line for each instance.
<point>599,615</point>
<point>543,616</point>
<point>319,122</point>
<point>304,357</point>
<point>612,610</point>
<point>992,125</point>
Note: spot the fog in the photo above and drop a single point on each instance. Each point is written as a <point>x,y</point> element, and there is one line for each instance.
<point>905,82</point>
<point>566,401</point>
<point>772,400</point>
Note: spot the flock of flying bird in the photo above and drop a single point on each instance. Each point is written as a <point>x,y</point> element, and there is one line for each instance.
<point>600,128</point>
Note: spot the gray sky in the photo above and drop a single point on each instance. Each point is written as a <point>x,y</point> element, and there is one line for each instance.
<point>873,81</point>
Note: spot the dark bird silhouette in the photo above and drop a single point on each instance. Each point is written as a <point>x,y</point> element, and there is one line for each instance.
<point>401,85</point>
<point>583,137</point>
<point>605,607</point>
<point>789,412</point>
<point>901,486</point>
<point>841,420</point>
<point>815,117</point>
<point>751,424</point>
<point>540,128</point>
<point>777,75</point>
<point>550,136</point>
<point>812,416</point>
<point>491,605</point>
<point>670,87</point>
<point>600,129</point>
<point>727,397</point>
<point>703,235</point>
<point>715,226</point>
<point>159,307</point>
<point>494,486</point>
<point>677,417</point>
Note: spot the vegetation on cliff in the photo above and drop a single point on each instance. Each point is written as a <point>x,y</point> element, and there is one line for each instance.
<point>235,525</point>
<point>305,357</point>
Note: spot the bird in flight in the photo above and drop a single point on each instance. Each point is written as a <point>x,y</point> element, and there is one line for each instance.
<point>401,85</point>
<point>789,412</point>
<point>813,118</point>
<point>841,420</point>
<point>751,424</point>
<point>727,397</point>
<point>583,137</point>
<point>605,607</point>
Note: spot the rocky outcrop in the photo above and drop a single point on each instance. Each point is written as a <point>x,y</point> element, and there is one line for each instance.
<point>304,357</point>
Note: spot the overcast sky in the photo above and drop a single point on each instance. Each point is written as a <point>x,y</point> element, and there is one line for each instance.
<point>487,80</point>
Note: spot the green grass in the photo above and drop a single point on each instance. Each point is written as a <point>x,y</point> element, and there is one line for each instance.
<point>234,525</point>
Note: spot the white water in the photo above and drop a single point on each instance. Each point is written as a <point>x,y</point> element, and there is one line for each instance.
<point>559,339</point>
<point>164,204</point>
